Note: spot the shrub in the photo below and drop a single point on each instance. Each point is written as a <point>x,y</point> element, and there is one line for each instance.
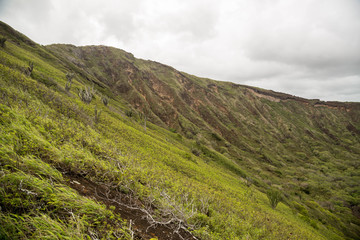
<point>69,77</point>
<point>199,220</point>
<point>129,113</point>
<point>196,152</point>
<point>274,196</point>
<point>86,94</point>
<point>105,100</point>
<point>97,115</point>
<point>2,42</point>
<point>29,69</point>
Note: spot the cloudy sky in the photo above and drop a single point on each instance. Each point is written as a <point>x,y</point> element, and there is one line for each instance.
<point>308,48</point>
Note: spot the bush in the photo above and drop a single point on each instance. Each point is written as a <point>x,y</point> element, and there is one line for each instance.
<point>274,196</point>
<point>69,77</point>
<point>29,69</point>
<point>199,220</point>
<point>105,100</point>
<point>196,152</point>
<point>86,95</point>
<point>97,115</point>
<point>2,44</point>
<point>129,113</point>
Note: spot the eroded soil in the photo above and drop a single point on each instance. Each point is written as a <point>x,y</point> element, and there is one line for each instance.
<point>128,209</point>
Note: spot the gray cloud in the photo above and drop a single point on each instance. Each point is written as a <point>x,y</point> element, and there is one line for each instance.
<point>307,48</point>
<point>323,34</point>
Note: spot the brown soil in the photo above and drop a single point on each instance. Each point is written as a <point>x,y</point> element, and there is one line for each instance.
<point>128,209</point>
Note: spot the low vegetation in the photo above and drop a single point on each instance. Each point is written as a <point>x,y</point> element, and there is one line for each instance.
<point>199,168</point>
<point>2,42</point>
<point>274,197</point>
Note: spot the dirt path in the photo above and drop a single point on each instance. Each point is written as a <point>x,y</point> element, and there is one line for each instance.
<point>143,229</point>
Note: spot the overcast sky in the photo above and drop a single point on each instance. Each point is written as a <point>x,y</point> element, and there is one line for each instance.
<point>308,48</point>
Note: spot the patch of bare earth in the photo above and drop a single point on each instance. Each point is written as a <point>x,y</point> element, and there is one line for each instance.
<point>142,223</point>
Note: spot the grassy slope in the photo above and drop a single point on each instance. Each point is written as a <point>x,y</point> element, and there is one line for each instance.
<point>306,148</point>
<point>46,132</point>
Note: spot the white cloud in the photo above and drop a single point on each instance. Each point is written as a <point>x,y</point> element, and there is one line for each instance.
<point>307,48</point>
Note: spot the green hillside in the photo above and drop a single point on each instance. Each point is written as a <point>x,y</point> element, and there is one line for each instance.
<point>96,144</point>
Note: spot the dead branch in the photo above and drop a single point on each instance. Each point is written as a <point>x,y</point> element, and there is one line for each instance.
<point>169,223</point>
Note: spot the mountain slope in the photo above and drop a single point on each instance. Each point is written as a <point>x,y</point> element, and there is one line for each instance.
<point>194,179</point>
<point>307,148</point>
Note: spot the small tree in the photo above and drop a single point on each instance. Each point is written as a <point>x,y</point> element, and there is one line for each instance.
<point>2,42</point>
<point>105,100</point>
<point>69,77</point>
<point>97,115</point>
<point>86,94</point>
<point>274,196</point>
<point>29,69</point>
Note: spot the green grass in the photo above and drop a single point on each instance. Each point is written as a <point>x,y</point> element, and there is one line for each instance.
<point>46,132</point>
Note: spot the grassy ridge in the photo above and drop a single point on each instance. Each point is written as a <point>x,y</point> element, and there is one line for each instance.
<point>47,132</point>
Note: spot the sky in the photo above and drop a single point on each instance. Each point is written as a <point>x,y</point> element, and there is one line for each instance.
<point>307,48</point>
